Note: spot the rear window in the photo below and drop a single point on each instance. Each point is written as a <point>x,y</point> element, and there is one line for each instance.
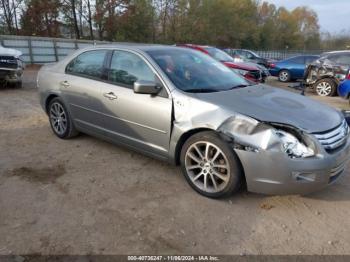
<point>340,58</point>
<point>88,64</point>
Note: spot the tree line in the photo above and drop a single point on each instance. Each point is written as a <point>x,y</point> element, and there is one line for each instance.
<point>226,23</point>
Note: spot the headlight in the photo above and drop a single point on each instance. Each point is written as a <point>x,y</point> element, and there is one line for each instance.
<point>292,146</point>
<point>240,71</point>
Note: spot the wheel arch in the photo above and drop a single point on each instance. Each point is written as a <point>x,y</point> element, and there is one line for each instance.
<point>48,100</point>
<point>185,136</point>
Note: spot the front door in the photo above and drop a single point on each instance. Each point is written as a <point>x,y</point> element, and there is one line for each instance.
<point>140,120</point>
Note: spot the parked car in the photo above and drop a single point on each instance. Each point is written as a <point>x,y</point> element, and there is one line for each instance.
<point>325,74</point>
<point>292,68</point>
<point>189,109</point>
<point>248,56</point>
<point>344,88</point>
<point>11,67</point>
<point>248,70</point>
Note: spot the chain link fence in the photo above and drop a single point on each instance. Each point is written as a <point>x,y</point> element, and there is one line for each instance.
<point>40,50</point>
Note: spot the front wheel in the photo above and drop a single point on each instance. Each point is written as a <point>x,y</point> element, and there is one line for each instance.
<point>60,120</point>
<point>210,165</point>
<point>326,87</point>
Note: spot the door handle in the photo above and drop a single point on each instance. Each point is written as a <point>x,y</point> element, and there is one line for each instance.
<point>65,84</point>
<point>110,96</point>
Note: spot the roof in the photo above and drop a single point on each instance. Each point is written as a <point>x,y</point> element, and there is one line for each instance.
<point>135,46</point>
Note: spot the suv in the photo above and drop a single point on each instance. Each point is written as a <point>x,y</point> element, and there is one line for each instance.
<point>11,67</point>
<point>326,73</point>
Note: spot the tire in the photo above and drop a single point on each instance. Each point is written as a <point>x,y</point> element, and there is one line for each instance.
<point>60,119</point>
<point>284,76</point>
<point>198,167</point>
<point>18,84</point>
<point>325,87</point>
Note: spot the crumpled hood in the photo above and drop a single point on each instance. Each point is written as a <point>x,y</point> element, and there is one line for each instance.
<point>270,104</point>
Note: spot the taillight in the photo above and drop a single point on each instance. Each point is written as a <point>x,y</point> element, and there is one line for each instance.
<point>272,65</point>
<point>348,76</point>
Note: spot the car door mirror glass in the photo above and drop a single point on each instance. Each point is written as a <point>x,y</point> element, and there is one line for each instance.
<point>146,87</point>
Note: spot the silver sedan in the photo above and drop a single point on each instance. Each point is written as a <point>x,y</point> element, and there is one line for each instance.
<point>186,108</point>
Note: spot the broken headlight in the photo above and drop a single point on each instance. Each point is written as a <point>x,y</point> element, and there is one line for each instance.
<point>292,146</point>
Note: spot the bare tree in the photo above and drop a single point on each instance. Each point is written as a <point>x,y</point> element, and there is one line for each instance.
<point>9,14</point>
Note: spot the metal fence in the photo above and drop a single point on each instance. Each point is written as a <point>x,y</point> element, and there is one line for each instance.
<point>284,54</point>
<point>40,50</point>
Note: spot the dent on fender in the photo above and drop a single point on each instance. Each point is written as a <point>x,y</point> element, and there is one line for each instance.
<point>245,133</point>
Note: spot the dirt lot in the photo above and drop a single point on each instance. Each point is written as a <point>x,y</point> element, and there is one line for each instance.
<point>85,196</point>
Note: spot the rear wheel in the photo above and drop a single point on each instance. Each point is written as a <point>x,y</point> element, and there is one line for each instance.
<point>326,87</point>
<point>60,120</point>
<point>284,76</point>
<point>210,166</point>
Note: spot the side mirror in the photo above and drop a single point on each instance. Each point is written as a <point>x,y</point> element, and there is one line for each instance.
<point>146,87</point>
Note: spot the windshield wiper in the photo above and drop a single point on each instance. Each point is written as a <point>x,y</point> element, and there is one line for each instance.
<point>202,90</point>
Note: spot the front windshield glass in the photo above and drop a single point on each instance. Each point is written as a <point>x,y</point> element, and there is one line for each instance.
<point>255,54</point>
<point>193,71</point>
<point>219,55</point>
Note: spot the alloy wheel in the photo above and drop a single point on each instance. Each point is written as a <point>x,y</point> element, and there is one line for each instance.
<point>58,118</point>
<point>284,76</point>
<point>207,166</point>
<point>323,89</point>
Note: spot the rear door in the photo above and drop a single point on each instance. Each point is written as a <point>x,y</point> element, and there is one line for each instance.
<point>297,66</point>
<point>81,89</point>
<point>139,120</point>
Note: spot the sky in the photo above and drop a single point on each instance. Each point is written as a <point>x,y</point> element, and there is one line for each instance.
<point>333,15</point>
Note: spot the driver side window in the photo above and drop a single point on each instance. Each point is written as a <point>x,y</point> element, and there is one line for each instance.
<point>126,68</point>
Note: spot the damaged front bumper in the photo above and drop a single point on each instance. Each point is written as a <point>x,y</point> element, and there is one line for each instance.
<point>10,75</point>
<point>269,170</point>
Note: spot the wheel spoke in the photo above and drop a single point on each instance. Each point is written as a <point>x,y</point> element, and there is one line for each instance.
<point>215,156</point>
<point>214,181</point>
<point>206,181</point>
<point>193,167</point>
<point>193,157</point>
<point>198,151</point>
<point>206,155</point>
<point>198,176</point>
<point>222,177</point>
<point>220,166</point>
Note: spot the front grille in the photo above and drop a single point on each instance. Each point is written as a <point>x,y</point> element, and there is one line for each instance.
<point>334,138</point>
<point>8,62</point>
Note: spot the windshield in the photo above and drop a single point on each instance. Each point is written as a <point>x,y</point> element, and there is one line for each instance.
<point>255,54</point>
<point>193,71</point>
<point>219,55</point>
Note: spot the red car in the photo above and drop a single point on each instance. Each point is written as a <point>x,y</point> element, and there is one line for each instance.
<point>248,70</point>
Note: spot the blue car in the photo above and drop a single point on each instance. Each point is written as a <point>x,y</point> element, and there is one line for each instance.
<point>292,68</point>
<point>344,88</point>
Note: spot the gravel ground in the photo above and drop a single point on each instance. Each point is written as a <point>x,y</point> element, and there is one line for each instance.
<point>85,196</point>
